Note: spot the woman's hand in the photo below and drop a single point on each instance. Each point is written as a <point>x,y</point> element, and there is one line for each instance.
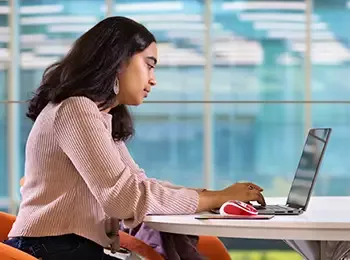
<point>245,192</point>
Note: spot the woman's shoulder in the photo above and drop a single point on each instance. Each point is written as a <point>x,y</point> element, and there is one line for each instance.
<point>80,108</point>
<point>78,101</point>
<point>77,105</point>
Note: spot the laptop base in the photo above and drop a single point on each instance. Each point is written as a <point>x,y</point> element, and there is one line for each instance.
<point>277,210</point>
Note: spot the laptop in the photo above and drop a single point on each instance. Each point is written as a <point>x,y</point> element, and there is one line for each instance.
<point>305,175</point>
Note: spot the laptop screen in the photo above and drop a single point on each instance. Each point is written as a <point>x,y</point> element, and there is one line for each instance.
<point>306,172</point>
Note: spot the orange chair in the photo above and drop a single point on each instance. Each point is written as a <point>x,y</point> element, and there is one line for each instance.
<point>6,222</point>
<point>8,252</point>
<point>212,248</point>
<point>209,246</point>
<point>139,247</point>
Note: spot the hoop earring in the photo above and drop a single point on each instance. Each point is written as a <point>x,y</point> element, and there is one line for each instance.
<point>116,87</point>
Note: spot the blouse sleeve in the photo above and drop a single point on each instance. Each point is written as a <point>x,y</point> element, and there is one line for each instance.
<point>81,133</point>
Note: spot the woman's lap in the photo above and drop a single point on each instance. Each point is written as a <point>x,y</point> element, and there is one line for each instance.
<point>66,247</point>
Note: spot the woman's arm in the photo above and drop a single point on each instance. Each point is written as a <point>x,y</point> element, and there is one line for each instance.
<point>82,135</point>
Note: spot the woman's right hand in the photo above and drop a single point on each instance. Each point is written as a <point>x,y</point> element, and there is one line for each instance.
<point>245,192</point>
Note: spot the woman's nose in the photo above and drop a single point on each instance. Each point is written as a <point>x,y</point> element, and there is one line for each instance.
<point>152,82</point>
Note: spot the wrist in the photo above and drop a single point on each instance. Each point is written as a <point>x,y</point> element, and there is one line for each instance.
<point>217,199</point>
<point>208,200</point>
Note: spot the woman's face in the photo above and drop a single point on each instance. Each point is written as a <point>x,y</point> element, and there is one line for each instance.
<point>136,78</point>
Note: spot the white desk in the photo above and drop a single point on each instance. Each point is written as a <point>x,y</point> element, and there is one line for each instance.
<point>317,223</point>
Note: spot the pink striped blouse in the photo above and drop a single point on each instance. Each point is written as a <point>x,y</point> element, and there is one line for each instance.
<point>78,179</point>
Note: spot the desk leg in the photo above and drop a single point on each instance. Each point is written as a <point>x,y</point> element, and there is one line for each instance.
<point>321,250</point>
<point>310,250</point>
<point>335,250</point>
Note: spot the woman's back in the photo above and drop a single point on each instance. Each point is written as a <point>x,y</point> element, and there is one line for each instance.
<point>62,203</point>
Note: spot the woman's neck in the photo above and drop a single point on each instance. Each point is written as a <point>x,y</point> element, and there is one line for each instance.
<point>106,110</point>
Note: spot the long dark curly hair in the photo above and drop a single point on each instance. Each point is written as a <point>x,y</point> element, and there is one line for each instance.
<point>89,69</point>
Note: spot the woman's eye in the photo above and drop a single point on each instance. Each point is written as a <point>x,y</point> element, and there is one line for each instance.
<point>150,66</point>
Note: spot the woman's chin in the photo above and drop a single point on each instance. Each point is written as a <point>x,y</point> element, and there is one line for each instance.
<point>136,102</point>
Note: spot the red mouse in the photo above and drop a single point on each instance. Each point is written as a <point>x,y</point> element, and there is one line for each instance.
<point>236,207</point>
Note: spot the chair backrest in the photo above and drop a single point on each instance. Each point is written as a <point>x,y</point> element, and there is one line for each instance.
<point>212,248</point>
<point>135,245</point>
<point>6,222</point>
<point>10,253</point>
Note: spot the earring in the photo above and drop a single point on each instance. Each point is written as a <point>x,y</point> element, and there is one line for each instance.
<point>116,86</point>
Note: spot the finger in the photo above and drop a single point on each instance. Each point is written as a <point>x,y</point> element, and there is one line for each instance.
<point>263,202</point>
<point>254,186</point>
<point>257,196</point>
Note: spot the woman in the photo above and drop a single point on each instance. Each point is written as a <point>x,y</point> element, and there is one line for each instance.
<point>80,178</point>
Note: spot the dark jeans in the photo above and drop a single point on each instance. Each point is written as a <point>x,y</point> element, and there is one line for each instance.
<point>67,247</point>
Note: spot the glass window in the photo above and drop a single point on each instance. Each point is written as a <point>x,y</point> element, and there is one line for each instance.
<point>169,142</point>
<point>3,149</point>
<point>253,54</point>
<point>4,39</point>
<point>330,55</point>
<point>259,145</point>
<point>256,135</point>
<point>47,31</point>
<point>4,54</point>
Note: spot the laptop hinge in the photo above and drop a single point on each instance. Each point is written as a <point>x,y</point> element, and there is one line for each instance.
<point>300,209</point>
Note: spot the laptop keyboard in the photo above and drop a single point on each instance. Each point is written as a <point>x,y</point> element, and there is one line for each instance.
<point>273,207</point>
